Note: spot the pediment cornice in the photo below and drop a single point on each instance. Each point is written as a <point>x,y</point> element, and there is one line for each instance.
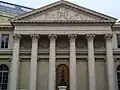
<point>63,22</point>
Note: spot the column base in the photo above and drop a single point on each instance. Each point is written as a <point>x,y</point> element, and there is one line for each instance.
<point>62,87</point>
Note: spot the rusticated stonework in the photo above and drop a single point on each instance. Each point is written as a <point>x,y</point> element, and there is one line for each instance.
<point>62,13</point>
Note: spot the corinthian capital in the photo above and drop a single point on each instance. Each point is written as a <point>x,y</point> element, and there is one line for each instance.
<point>108,37</point>
<point>72,37</point>
<point>52,37</point>
<point>16,37</point>
<point>90,37</point>
<point>34,37</point>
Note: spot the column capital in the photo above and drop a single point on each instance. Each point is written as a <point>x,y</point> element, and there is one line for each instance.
<point>52,37</point>
<point>72,37</point>
<point>90,37</point>
<point>16,37</point>
<point>108,37</point>
<point>34,37</point>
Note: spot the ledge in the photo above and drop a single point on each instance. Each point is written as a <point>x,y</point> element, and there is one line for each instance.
<point>63,22</point>
<point>61,54</point>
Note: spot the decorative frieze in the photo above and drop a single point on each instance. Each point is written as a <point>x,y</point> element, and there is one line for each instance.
<point>62,13</point>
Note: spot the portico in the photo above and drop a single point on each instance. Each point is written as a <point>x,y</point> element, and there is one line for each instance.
<point>72,61</point>
<point>78,30</point>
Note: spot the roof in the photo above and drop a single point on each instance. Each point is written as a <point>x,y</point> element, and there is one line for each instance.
<point>13,9</point>
<point>117,25</point>
<point>9,10</point>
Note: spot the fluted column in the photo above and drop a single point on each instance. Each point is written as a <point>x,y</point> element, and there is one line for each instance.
<point>15,63</point>
<point>73,85</point>
<point>91,62</point>
<point>52,60</point>
<point>33,63</point>
<point>110,63</point>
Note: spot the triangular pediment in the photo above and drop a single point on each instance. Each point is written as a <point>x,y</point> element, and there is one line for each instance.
<point>63,10</point>
<point>63,13</point>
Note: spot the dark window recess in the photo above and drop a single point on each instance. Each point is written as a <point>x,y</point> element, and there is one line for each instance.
<point>118,77</point>
<point>4,70</point>
<point>4,40</point>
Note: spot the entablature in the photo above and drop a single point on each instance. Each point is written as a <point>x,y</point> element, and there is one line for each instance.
<point>62,29</point>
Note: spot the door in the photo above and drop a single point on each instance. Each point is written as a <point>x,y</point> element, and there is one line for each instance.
<point>62,71</point>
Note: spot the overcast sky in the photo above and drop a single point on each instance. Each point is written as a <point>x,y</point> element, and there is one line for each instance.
<point>109,7</point>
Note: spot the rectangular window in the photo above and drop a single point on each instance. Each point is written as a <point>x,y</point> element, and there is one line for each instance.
<point>4,40</point>
<point>118,40</point>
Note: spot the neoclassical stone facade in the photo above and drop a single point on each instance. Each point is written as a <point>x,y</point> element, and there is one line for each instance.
<point>61,40</point>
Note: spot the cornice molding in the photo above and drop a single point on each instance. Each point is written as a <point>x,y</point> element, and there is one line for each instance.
<point>48,22</point>
<point>6,26</point>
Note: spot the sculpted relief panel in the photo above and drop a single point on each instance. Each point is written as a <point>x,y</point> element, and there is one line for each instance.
<point>43,43</point>
<point>25,43</point>
<point>62,43</point>
<point>81,43</point>
<point>63,14</point>
<point>99,42</point>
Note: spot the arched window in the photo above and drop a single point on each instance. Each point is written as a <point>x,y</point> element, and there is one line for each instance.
<point>4,70</point>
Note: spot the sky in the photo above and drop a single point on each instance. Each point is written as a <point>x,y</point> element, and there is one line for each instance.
<point>108,7</point>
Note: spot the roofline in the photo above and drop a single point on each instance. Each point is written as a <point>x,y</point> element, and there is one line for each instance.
<point>17,5</point>
<point>91,10</point>
<point>68,3</point>
<point>117,24</point>
<point>63,22</point>
<point>4,14</point>
<point>19,16</point>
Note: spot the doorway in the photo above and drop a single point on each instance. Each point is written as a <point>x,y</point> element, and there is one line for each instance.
<point>64,70</point>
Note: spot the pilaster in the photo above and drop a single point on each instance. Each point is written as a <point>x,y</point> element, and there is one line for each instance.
<point>15,63</point>
<point>33,62</point>
<point>110,63</point>
<point>72,39</point>
<point>91,62</point>
<point>52,60</point>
